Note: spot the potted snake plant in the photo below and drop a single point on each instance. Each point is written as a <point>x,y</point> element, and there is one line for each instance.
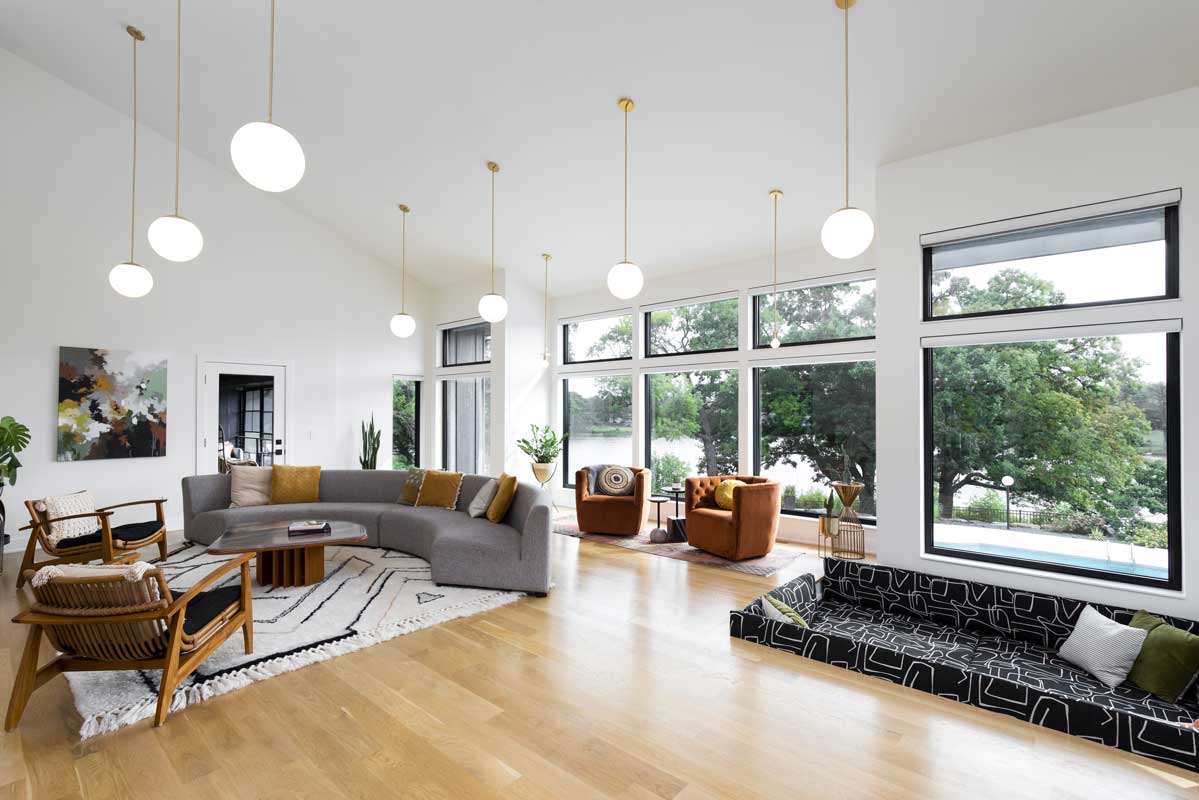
<point>544,447</point>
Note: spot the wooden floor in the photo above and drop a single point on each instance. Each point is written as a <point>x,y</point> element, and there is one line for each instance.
<point>623,683</point>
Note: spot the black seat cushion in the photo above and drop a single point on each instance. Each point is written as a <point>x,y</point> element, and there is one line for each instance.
<point>129,532</point>
<point>207,606</point>
<point>1043,669</point>
<point>911,636</point>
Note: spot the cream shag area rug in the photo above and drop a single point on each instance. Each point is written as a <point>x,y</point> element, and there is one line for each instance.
<point>368,596</point>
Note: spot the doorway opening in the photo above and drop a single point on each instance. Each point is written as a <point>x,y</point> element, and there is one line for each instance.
<point>241,415</point>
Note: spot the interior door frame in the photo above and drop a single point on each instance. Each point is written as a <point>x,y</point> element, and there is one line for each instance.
<point>202,361</point>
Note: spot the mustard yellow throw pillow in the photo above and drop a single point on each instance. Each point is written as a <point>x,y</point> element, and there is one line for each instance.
<point>295,484</point>
<point>503,498</point>
<point>724,493</point>
<point>440,489</point>
<point>411,489</point>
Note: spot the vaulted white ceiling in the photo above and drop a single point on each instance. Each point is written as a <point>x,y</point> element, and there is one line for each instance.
<point>405,100</point>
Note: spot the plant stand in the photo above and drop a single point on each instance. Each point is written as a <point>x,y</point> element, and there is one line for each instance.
<point>850,539</point>
<point>544,473</point>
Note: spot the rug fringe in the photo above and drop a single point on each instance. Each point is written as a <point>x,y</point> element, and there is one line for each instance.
<point>109,721</point>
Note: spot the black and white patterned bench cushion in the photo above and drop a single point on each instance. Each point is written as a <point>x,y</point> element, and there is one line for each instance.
<point>895,624</point>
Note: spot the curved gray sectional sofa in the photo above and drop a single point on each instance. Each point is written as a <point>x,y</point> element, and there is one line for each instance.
<point>462,550</point>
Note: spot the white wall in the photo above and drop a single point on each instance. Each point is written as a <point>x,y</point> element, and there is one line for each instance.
<point>271,285</point>
<point>1138,148</point>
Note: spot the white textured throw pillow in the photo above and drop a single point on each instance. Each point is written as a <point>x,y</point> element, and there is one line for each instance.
<point>486,493</point>
<point>250,486</point>
<point>1103,647</point>
<point>66,505</point>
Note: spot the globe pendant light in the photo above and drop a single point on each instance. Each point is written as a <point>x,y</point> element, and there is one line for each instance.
<point>545,313</point>
<point>848,231</point>
<point>173,236</point>
<point>493,307</point>
<point>267,156</point>
<point>130,278</point>
<point>625,279</point>
<point>402,324</point>
<point>775,194</point>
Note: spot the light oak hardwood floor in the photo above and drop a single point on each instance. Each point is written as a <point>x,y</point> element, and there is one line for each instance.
<point>623,683</point>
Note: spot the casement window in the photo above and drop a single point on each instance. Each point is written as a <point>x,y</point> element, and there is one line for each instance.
<point>466,424</point>
<point>815,424</point>
<point>466,344</point>
<point>405,423</point>
<point>831,312</point>
<point>709,327</point>
<point>602,339</point>
<point>597,418</point>
<point>691,424</point>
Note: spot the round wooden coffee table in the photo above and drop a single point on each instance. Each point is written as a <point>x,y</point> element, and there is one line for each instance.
<point>282,559</point>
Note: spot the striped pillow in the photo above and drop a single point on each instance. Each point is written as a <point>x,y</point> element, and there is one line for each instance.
<point>1103,647</point>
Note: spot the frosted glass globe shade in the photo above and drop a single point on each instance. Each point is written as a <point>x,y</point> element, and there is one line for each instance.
<point>130,280</point>
<point>175,238</point>
<point>847,233</point>
<point>493,307</point>
<point>625,280</point>
<point>267,156</point>
<point>775,343</point>
<point>403,325</point>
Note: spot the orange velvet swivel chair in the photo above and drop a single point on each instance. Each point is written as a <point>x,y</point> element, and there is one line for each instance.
<point>622,516</point>
<point>747,531</point>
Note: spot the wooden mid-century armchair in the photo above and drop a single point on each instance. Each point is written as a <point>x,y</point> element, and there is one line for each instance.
<point>104,544</point>
<point>106,621</point>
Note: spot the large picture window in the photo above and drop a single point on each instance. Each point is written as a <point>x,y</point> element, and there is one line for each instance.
<point>814,424</point>
<point>605,339</point>
<point>597,417</point>
<point>466,424</point>
<point>691,424</point>
<point>830,313</point>
<point>466,344</point>
<point>1061,454</point>
<point>696,328</point>
<point>405,423</point>
<point>1115,258</point>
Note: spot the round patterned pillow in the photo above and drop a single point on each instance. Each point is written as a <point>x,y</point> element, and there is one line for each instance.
<point>615,481</point>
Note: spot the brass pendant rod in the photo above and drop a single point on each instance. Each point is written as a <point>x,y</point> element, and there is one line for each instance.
<point>626,186</point>
<point>493,232</point>
<point>270,81</point>
<point>178,89</point>
<point>404,258</point>
<point>545,311</point>
<point>137,36</point>
<point>847,105</point>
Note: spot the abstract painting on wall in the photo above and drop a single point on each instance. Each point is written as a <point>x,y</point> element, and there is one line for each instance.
<point>111,404</point>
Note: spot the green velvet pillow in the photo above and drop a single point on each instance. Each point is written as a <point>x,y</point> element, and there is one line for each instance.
<point>787,611</point>
<point>1169,659</point>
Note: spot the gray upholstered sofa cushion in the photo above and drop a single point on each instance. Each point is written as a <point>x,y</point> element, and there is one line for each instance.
<point>462,551</point>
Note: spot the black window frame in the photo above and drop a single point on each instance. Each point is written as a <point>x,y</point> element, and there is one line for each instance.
<point>1171,293</point>
<point>445,336</point>
<point>755,382</point>
<point>646,337</point>
<point>416,418</point>
<point>567,475</point>
<point>566,359</point>
<point>755,310</point>
<point>1173,580</point>
<point>648,401</point>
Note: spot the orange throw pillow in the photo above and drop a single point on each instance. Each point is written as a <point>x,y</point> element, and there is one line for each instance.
<point>440,489</point>
<point>295,484</point>
<point>503,498</point>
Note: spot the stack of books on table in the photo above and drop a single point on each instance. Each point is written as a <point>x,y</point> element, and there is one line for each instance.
<point>308,527</point>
